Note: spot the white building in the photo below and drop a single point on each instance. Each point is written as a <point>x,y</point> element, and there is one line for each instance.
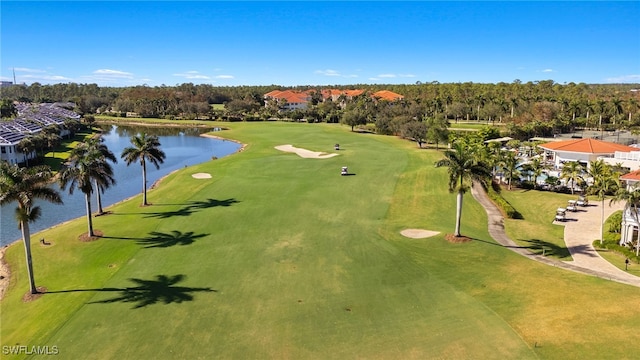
<point>30,121</point>
<point>585,151</point>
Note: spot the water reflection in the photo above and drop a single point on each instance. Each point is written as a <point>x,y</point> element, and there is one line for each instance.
<point>183,147</point>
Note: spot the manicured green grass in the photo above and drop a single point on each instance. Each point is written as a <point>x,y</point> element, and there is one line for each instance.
<point>537,231</point>
<point>278,256</point>
<point>60,153</point>
<point>153,121</point>
<point>617,259</point>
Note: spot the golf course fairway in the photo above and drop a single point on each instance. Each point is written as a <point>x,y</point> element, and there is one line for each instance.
<point>277,256</point>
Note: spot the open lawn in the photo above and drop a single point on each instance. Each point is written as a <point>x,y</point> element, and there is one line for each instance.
<point>278,256</point>
<point>537,230</point>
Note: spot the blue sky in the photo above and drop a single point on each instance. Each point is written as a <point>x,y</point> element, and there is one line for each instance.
<point>318,43</point>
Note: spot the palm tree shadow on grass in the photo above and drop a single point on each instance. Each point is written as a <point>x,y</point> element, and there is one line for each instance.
<point>158,239</point>
<point>191,207</point>
<point>164,240</point>
<point>541,247</point>
<point>148,292</point>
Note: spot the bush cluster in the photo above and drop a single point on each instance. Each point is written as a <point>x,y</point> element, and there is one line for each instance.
<point>507,209</point>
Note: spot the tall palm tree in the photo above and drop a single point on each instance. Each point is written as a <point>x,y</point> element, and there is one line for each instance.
<point>463,167</point>
<point>571,171</point>
<point>632,106</point>
<point>96,145</point>
<point>85,166</point>
<point>145,147</point>
<point>23,186</point>
<point>605,181</point>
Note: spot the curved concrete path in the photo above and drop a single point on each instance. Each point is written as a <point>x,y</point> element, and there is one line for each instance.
<point>578,236</point>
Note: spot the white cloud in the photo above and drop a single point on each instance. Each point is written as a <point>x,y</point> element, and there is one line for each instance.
<point>44,78</point>
<point>393,76</point>
<point>110,77</point>
<point>548,70</point>
<point>224,77</point>
<point>328,72</point>
<point>27,70</point>
<point>624,79</point>
<point>334,73</point>
<point>193,75</point>
<point>109,73</point>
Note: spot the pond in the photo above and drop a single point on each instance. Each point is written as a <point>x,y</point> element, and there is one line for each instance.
<point>182,146</point>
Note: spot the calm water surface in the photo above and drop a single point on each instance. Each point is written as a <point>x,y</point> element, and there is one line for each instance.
<point>183,147</point>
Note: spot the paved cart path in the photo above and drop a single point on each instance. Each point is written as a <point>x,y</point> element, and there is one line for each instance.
<point>578,234</point>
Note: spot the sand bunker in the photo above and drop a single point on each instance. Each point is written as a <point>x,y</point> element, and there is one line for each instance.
<point>418,233</point>
<point>201,176</point>
<point>304,152</point>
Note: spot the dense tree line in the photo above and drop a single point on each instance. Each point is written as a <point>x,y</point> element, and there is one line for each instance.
<point>538,108</point>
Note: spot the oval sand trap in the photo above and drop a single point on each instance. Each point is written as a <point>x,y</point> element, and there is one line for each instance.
<point>418,233</point>
<point>201,176</point>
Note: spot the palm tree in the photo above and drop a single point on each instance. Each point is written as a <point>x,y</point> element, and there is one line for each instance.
<point>23,186</point>
<point>145,147</point>
<point>95,144</point>
<point>510,167</point>
<point>604,181</point>
<point>537,166</point>
<point>26,146</point>
<point>463,168</point>
<point>632,105</point>
<point>571,171</point>
<point>84,166</point>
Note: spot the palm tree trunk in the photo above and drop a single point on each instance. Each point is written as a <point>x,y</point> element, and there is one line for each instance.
<point>144,184</point>
<point>89,220</point>
<point>602,222</point>
<point>26,239</point>
<point>458,213</point>
<point>98,199</point>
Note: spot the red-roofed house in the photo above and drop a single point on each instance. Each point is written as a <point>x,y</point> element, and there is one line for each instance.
<point>292,99</point>
<point>585,150</point>
<point>334,94</point>
<point>387,95</point>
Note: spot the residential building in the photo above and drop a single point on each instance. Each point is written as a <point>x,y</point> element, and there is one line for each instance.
<point>30,121</point>
<point>292,100</point>
<point>289,99</point>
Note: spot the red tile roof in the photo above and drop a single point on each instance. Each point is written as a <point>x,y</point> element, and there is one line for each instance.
<point>335,93</point>
<point>289,95</point>
<point>632,176</point>
<point>387,95</point>
<point>588,146</point>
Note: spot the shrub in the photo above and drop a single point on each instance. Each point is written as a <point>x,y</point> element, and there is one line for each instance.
<point>611,238</point>
<point>614,222</point>
<point>507,209</point>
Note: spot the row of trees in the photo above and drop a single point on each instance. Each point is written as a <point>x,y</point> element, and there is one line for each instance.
<point>529,109</point>
<point>87,169</point>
